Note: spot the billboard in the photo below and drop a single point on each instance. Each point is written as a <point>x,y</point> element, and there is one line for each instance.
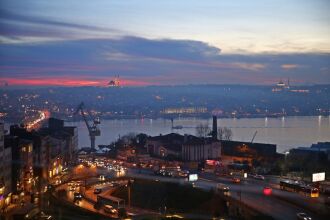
<point>318,177</point>
<point>212,162</point>
<point>193,177</point>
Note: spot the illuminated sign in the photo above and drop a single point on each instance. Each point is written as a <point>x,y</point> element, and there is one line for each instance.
<point>212,162</point>
<point>193,177</point>
<point>318,177</point>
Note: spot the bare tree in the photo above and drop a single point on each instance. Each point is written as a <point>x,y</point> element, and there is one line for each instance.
<point>225,133</point>
<point>129,137</point>
<point>203,130</point>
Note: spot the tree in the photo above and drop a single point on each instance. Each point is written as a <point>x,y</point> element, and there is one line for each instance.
<point>203,130</point>
<point>225,133</point>
<point>129,137</point>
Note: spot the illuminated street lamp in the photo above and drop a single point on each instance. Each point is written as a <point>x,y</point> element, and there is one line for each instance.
<point>129,184</point>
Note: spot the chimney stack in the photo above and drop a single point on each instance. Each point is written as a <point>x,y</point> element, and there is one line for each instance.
<point>185,138</point>
<point>215,128</point>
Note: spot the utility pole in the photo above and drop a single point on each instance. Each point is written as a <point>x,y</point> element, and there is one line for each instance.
<point>129,183</point>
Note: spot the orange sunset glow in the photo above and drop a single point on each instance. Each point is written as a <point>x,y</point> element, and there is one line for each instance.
<point>68,81</point>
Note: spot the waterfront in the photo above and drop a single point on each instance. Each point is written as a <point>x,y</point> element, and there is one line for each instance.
<point>286,132</point>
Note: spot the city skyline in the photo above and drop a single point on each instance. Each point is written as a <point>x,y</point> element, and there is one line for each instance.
<point>143,109</point>
<point>164,43</point>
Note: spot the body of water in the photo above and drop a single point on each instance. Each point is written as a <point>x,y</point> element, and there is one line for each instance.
<point>286,132</point>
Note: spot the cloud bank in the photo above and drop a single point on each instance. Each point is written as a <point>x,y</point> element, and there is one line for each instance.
<point>42,51</point>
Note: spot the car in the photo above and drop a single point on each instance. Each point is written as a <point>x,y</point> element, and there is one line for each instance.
<point>97,191</point>
<point>259,177</point>
<point>236,180</point>
<point>72,188</point>
<point>110,209</point>
<point>303,216</point>
<point>168,174</point>
<point>222,187</point>
<point>77,196</point>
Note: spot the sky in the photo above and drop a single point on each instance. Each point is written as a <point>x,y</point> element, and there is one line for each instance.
<point>149,42</point>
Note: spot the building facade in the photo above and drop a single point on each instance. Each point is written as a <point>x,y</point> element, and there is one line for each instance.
<point>5,170</point>
<point>184,147</point>
<point>247,152</point>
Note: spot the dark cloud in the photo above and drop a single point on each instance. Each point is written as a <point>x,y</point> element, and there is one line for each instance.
<point>14,26</point>
<point>158,61</point>
<point>9,16</point>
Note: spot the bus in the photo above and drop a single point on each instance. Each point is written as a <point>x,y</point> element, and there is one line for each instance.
<point>294,186</point>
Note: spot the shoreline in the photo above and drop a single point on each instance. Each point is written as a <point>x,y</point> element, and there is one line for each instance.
<point>182,117</point>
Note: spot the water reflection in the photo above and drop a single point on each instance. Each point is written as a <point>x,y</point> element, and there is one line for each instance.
<point>286,132</point>
<point>266,122</point>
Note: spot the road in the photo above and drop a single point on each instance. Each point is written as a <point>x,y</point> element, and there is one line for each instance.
<point>83,203</point>
<point>250,190</point>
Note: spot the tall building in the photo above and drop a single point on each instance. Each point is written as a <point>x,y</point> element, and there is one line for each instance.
<point>61,146</point>
<point>54,147</point>
<point>5,170</point>
<point>23,179</point>
<point>56,129</point>
<point>19,134</point>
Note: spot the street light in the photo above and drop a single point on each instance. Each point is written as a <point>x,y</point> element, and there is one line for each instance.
<point>129,184</point>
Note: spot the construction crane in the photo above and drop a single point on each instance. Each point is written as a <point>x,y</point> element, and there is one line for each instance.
<point>255,133</point>
<point>92,126</point>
